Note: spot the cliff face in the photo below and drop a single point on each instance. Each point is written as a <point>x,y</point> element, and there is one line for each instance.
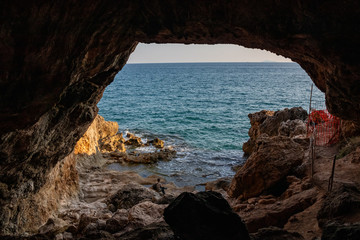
<point>57,57</point>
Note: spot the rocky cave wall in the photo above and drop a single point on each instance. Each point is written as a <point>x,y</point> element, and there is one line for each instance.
<point>57,57</point>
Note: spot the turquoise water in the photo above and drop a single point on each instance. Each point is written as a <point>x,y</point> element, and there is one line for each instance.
<point>201,110</point>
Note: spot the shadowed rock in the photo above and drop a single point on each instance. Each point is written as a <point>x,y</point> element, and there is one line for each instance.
<point>342,204</point>
<point>204,216</point>
<point>274,233</point>
<point>336,231</point>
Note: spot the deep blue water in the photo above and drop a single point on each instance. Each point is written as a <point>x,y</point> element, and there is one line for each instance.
<point>201,110</point>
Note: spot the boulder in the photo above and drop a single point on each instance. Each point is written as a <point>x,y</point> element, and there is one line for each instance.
<point>266,169</point>
<point>84,221</point>
<point>274,233</point>
<point>130,195</point>
<point>155,231</point>
<point>133,140</point>
<point>145,213</point>
<point>219,184</point>
<point>292,128</point>
<point>336,231</point>
<point>268,122</point>
<point>157,143</point>
<point>204,216</point>
<point>118,222</point>
<point>275,213</point>
<point>342,204</point>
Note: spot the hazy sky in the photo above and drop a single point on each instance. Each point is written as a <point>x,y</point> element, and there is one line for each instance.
<point>160,53</point>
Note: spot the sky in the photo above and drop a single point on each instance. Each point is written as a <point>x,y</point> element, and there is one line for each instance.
<point>164,53</point>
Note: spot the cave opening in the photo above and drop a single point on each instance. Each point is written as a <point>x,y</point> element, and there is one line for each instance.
<point>197,98</point>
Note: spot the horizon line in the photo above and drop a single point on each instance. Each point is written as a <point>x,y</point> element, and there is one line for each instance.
<point>211,62</point>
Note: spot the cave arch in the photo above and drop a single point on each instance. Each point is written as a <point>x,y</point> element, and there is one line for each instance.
<point>58,57</point>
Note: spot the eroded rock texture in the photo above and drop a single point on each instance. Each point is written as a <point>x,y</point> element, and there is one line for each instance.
<point>57,57</point>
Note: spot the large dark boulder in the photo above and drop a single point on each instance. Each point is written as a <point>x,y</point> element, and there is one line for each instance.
<point>204,216</point>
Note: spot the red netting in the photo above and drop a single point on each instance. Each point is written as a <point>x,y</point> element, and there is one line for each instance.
<point>324,127</point>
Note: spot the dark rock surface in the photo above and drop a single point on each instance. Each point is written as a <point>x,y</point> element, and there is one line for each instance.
<point>204,216</point>
<point>274,233</point>
<point>156,231</point>
<point>341,204</point>
<point>336,231</point>
<point>57,57</point>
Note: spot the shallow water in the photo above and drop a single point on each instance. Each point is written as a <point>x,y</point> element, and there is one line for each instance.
<point>200,109</point>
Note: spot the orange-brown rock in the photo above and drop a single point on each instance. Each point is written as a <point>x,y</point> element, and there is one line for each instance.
<point>133,140</point>
<point>157,143</point>
<point>99,135</point>
<point>266,169</point>
<point>113,143</point>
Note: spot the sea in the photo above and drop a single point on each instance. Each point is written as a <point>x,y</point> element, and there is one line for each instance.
<point>201,111</point>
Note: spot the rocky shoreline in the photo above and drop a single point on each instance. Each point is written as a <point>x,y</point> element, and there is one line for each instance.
<point>272,194</point>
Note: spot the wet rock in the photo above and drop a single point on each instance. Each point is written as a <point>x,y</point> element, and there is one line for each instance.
<point>341,204</point>
<point>205,215</point>
<point>157,143</point>
<point>145,158</point>
<point>133,140</point>
<point>266,169</point>
<point>130,195</point>
<point>274,233</point>
<point>337,231</point>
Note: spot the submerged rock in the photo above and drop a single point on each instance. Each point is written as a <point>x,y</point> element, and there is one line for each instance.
<point>204,216</point>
